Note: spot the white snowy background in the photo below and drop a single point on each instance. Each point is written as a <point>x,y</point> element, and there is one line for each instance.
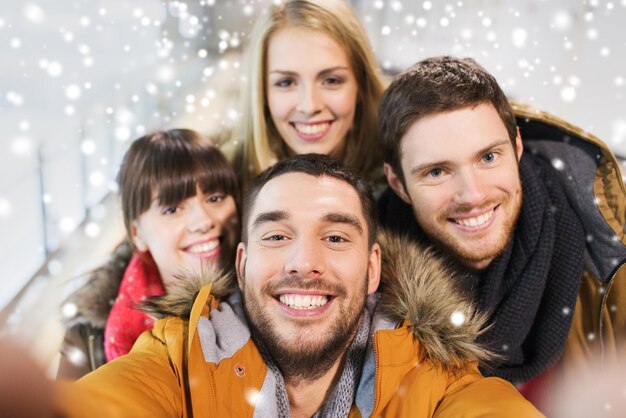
<point>80,79</point>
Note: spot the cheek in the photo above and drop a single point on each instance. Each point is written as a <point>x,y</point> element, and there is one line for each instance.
<point>428,202</point>
<point>279,105</point>
<point>252,274</point>
<point>345,105</point>
<point>226,215</point>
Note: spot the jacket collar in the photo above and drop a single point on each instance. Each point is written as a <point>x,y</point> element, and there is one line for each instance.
<point>417,288</point>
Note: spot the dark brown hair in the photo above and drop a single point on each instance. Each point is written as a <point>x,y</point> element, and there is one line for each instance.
<point>435,85</point>
<point>170,165</point>
<point>316,165</point>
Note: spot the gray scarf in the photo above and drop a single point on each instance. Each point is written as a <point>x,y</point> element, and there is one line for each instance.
<point>342,397</point>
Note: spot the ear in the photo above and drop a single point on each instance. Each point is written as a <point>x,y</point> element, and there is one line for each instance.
<point>373,270</point>
<point>519,147</point>
<point>396,185</point>
<point>135,235</point>
<point>240,263</point>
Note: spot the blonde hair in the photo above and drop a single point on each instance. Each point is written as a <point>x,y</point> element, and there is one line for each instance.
<point>260,143</point>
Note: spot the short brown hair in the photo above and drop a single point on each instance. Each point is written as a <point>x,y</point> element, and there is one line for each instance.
<point>171,164</point>
<point>316,165</point>
<point>435,85</point>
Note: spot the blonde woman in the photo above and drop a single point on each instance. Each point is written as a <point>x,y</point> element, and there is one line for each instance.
<point>313,86</point>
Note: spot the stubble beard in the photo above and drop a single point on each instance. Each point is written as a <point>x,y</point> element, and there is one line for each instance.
<point>472,256</point>
<point>298,359</point>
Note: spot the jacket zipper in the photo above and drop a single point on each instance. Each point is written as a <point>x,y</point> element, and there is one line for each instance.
<point>376,374</point>
<point>603,305</point>
<point>92,351</point>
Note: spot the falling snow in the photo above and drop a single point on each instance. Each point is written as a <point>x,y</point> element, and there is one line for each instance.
<point>71,99</point>
<point>457,318</point>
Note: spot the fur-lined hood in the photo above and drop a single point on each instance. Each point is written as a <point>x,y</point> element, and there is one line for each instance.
<point>93,300</point>
<point>416,285</point>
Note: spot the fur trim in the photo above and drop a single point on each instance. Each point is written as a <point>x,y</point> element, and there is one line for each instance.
<point>95,298</point>
<point>418,285</point>
<point>180,298</point>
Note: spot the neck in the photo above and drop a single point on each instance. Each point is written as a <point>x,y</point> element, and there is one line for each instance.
<point>306,397</point>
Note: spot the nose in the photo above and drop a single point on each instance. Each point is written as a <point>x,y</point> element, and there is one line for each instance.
<point>469,188</point>
<point>305,258</point>
<point>310,101</point>
<point>199,218</point>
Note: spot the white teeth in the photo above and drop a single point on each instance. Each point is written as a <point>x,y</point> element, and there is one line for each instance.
<point>303,302</point>
<point>477,221</point>
<point>205,247</point>
<point>314,129</point>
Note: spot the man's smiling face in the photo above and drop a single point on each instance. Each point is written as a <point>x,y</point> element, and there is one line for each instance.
<point>462,179</point>
<point>306,269</point>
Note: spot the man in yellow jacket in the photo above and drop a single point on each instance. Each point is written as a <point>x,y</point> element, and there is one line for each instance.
<point>306,333</point>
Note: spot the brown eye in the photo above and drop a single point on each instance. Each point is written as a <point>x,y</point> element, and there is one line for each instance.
<point>216,198</point>
<point>333,81</point>
<point>169,210</point>
<point>286,82</point>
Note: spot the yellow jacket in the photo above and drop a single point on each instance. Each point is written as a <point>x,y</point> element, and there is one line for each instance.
<point>202,362</point>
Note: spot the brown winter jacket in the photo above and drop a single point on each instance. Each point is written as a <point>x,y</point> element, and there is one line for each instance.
<point>598,332</point>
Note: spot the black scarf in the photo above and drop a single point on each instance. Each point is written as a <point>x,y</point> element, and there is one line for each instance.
<point>530,290</point>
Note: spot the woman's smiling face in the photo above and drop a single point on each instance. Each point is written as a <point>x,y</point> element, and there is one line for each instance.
<point>311,91</point>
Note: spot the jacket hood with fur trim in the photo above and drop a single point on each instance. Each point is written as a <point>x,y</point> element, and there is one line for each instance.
<point>416,286</point>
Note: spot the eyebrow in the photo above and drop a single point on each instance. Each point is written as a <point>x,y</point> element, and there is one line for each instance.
<point>343,218</point>
<point>323,72</point>
<point>333,218</point>
<point>423,167</point>
<point>273,216</point>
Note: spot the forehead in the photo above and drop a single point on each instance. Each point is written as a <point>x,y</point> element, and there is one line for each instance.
<point>452,135</point>
<point>306,198</point>
<point>291,49</point>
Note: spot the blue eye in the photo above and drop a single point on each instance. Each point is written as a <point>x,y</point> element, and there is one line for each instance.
<point>435,172</point>
<point>489,157</point>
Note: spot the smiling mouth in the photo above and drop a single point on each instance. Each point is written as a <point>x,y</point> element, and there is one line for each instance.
<point>475,221</point>
<point>311,130</point>
<point>303,302</point>
<point>204,247</point>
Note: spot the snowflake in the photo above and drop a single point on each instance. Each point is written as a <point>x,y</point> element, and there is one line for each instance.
<point>253,396</point>
<point>457,318</point>
<point>55,267</point>
<point>34,13</point>
<point>558,164</point>
<point>519,37</point>
<point>72,92</point>
<point>6,208</point>
<point>69,310</point>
